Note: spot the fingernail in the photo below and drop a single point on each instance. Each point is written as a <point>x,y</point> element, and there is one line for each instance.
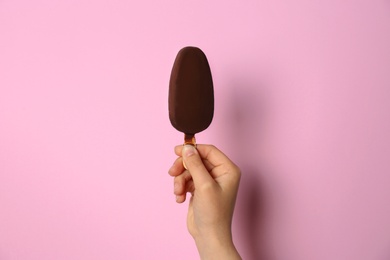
<point>188,150</point>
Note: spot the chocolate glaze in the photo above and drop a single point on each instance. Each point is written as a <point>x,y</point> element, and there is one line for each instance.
<point>191,93</point>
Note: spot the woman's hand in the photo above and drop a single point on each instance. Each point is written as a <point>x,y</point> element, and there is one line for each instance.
<point>213,180</point>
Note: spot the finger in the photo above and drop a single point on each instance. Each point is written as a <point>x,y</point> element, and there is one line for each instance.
<point>177,167</point>
<point>195,166</point>
<point>190,186</point>
<point>178,149</point>
<point>181,198</point>
<point>209,165</point>
<point>179,183</point>
<point>213,155</point>
<point>218,163</point>
<point>209,153</point>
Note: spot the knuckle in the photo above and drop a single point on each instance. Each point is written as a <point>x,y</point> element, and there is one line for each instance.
<point>236,171</point>
<point>207,188</point>
<point>212,147</point>
<point>179,179</point>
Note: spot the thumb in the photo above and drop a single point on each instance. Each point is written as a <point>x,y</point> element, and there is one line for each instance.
<point>193,163</point>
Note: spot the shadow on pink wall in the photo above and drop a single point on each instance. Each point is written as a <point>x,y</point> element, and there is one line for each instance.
<point>244,124</point>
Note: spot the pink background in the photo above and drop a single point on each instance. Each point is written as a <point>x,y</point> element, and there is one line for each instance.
<point>302,106</point>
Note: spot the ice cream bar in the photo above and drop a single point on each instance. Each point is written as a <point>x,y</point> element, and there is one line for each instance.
<point>191,93</point>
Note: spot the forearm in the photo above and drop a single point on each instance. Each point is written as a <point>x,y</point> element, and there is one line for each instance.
<point>217,247</point>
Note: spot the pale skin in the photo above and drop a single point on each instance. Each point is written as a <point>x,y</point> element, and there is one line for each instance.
<point>212,179</point>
